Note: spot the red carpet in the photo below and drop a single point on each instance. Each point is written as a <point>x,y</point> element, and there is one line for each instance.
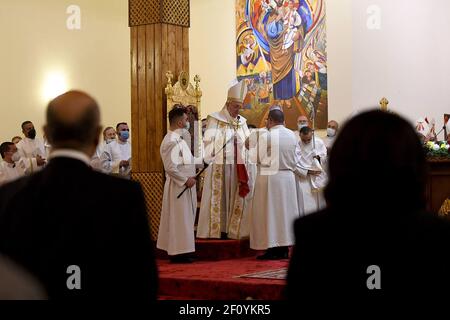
<point>215,249</point>
<point>217,280</point>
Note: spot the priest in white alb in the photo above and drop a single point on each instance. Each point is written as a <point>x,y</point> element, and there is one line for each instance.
<point>313,178</point>
<point>31,149</point>
<point>11,165</point>
<point>116,156</point>
<point>276,197</point>
<point>176,229</point>
<point>223,210</point>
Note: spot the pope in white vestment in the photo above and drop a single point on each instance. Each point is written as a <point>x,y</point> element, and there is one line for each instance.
<point>223,206</point>
<point>313,178</point>
<point>276,196</point>
<point>176,229</point>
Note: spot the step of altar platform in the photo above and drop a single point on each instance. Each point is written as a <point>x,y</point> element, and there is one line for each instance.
<point>220,280</point>
<point>217,249</point>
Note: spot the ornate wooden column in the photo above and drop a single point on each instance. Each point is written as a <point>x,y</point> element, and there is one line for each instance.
<point>159,43</point>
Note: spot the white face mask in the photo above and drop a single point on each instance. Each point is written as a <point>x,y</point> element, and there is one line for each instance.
<point>187,126</point>
<point>15,157</point>
<point>108,141</point>
<point>302,125</point>
<point>331,132</point>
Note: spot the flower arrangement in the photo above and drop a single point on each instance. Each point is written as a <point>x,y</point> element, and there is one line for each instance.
<point>439,149</point>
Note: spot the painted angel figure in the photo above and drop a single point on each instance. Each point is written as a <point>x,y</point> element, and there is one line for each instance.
<point>292,22</point>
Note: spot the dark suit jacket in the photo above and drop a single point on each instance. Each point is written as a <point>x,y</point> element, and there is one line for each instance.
<point>334,249</point>
<point>68,214</point>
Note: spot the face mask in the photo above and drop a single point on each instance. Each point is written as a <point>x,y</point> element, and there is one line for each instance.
<point>32,134</point>
<point>331,132</point>
<point>302,125</point>
<point>187,126</point>
<point>108,141</point>
<point>15,157</point>
<point>124,135</point>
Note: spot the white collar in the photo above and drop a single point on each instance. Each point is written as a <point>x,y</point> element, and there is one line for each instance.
<point>70,153</point>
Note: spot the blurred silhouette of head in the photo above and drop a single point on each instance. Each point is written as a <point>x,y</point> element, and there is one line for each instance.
<point>377,163</point>
<point>73,122</point>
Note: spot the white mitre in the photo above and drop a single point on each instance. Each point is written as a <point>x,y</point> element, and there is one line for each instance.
<point>237,91</point>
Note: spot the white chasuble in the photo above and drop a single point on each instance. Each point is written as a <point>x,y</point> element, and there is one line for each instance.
<point>222,208</point>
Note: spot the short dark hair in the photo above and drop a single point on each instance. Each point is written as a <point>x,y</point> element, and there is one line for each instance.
<point>119,124</point>
<point>251,126</point>
<point>4,147</point>
<point>175,114</point>
<point>25,123</point>
<point>305,130</point>
<point>276,116</point>
<point>76,133</point>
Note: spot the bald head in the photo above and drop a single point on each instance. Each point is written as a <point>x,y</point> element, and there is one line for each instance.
<point>73,122</point>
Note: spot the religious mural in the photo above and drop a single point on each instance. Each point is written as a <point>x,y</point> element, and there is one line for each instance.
<point>281,55</point>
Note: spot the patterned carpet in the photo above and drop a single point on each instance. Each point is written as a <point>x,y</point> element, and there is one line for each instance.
<point>279,274</point>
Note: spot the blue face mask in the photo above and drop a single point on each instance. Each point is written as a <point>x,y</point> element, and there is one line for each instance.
<point>124,135</point>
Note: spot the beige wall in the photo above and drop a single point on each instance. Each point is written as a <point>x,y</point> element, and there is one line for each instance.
<point>36,42</point>
<point>96,58</point>
<point>405,59</point>
<point>212,52</point>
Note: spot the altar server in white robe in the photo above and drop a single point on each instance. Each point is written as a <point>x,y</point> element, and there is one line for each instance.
<point>313,178</point>
<point>276,197</point>
<point>223,210</point>
<point>31,149</point>
<point>302,121</point>
<point>176,229</point>
<point>11,165</point>
<point>116,157</point>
